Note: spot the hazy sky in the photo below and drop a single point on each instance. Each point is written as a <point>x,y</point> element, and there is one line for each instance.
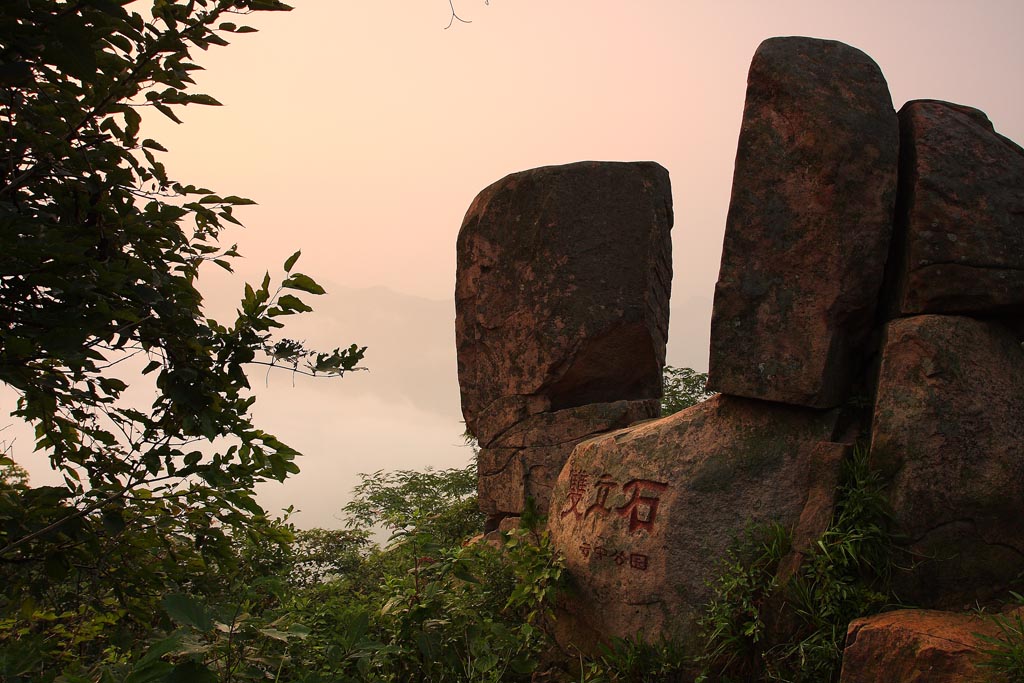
<point>364,130</point>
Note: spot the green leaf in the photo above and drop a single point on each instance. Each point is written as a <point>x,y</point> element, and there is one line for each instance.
<point>166,111</point>
<point>150,673</point>
<point>191,672</point>
<point>291,261</point>
<point>188,611</point>
<point>303,283</point>
<point>238,201</point>
<point>204,99</point>
<point>153,144</point>
<point>132,120</point>
<point>159,649</point>
<point>293,303</point>
<point>461,573</point>
<point>113,521</point>
<point>269,5</point>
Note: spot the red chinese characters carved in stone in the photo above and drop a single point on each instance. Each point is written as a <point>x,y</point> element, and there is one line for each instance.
<point>604,486</point>
<point>638,561</point>
<point>579,482</point>
<point>642,506</point>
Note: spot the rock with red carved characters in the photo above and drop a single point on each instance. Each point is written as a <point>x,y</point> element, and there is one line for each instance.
<point>809,224</point>
<point>911,645</point>
<point>645,514</point>
<point>561,294</point>
<point>525,461</point>
<point>948,433</point>
<point>960,235</point>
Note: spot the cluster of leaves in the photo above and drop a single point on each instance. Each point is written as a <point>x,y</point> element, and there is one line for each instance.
<point>758,630</point>
<point>103,255</point>
<point>427,607</point>
<point>99,290</point>
<point>313,605</point>
<point>682,388</point>
<point>735,624</point>
<point>440,504</point>
<point>635,660</point>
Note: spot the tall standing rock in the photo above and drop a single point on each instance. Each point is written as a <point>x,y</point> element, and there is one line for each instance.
<point>809,224</point>
<point>948,433</point>
<point>561,294</point>
<point>960,226</point>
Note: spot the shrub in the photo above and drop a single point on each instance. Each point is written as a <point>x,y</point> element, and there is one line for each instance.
<point>845,575</point>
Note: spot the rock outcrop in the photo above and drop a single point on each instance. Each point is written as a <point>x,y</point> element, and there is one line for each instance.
<point>562,272</point>
<point>525,461</point>
<point>948,433</point>
<point>813,197</point>
<point>852,307</point>
<point>646,513</point>
<point>911,646</point>
<point>960,233</point>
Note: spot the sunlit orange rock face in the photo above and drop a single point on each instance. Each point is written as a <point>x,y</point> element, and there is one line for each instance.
<point>918,646</point>
<point>809,224</point>
<point>562,287</point>
<point>948,435</point>
<point>960,230</point>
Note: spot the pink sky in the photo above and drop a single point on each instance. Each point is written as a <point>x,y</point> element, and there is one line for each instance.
<point>364,131</point>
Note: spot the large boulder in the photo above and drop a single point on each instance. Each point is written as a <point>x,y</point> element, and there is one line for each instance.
<point>948,432</point>
<point>644,515</point>
<point>561,293</point>
<point>908,646</point>
<point>809,224</point>
<point>525,460</point>
<point>960,229</point>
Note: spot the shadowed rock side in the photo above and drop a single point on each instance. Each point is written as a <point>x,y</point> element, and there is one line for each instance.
<point>562,288</point>
<point>644,514</point>
<point>809,224</point>
<point>907,646</point>
<point>949,432</point>
<point>960,228</point>
<point>525,461</point>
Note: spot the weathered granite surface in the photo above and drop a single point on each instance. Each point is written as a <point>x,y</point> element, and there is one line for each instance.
<point>809,225</point>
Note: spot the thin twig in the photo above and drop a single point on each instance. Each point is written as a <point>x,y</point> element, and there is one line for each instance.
<point>451,3</point>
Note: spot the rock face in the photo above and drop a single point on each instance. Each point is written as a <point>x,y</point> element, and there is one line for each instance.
<point>911,646</point>
<point>562,272</point>
<point>809,224</point>
<point>525,461</point>
<point>644,514</point>
<point>961,221</point>
<point>949,432</point>
<point>833,279</point>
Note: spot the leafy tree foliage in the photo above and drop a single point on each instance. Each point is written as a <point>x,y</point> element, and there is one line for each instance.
<point>102,254</point>
<point>98,290</point>
<point>682,388</point>
<point>439,503</point>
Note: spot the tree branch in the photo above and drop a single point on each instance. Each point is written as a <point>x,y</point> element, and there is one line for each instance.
<point>454,17</point>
